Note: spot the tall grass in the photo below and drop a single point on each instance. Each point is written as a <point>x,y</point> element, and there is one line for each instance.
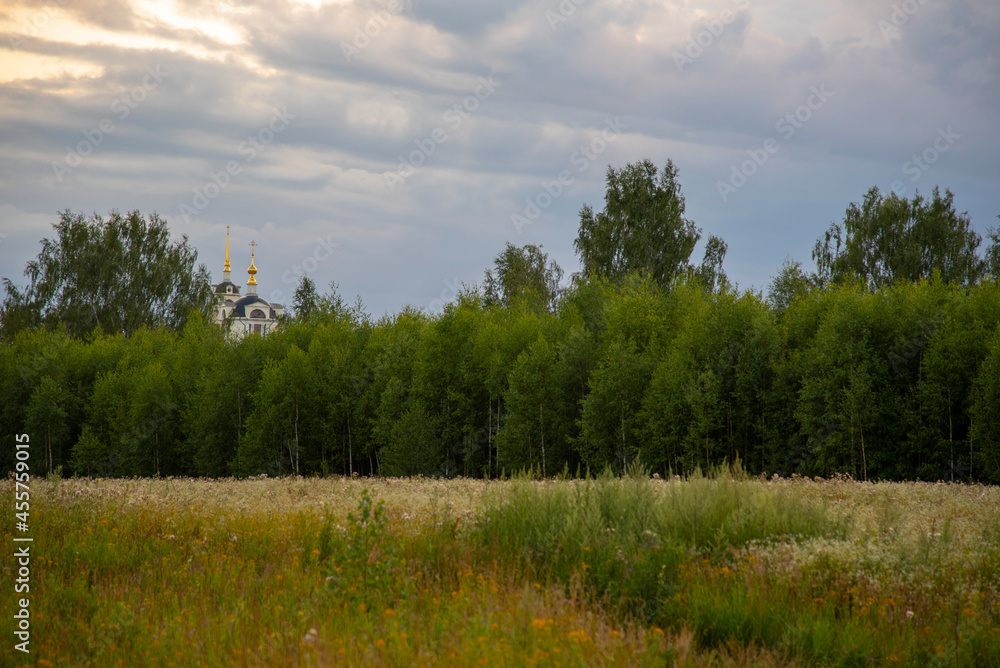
<point>711,570</point>
<point>626,537</point>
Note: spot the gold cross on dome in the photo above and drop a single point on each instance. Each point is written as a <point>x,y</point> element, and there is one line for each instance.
<point>253,246</point>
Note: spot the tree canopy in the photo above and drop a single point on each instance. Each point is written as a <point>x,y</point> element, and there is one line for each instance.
<point>899,383</point>
<point>524,273</point>
<point>120,274</point>
<point>304,299</point>
<point>642,227</point>
<point>888,237</point>
<point>645,359</point>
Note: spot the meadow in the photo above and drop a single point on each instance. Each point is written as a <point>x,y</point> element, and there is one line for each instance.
<point>722,570</point>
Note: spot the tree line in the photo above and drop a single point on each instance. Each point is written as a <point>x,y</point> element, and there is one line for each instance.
<point>884,363</point>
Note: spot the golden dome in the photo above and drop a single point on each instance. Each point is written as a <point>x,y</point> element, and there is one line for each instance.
<point>252,269</point>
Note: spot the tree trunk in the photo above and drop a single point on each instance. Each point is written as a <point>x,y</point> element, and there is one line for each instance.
<point>296,458</point>
<point>541,429</point>
<point>498,432</point>
<point>239,418</point>
<point>864,461</point>
<point>623,436</point>
<point>951,442</point>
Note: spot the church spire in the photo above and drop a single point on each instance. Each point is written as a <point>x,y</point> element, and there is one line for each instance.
<point>225,270</point>
<point>252,270</point>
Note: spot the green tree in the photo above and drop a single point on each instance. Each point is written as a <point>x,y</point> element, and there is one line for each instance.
<point>119,274</point>
<point>335,352</point>
<point>501,337</point>
<point>993,253</point>
<point>710,273</point>
<point>447,384</point>
<point>708,399</point>
<point>535,431</point>
<point>642,227</point>
<point>305,298</point>
<point>284,423</point>
<point>415,446</point>
<point>523,273</point>
<point>888,238</point>
<point>47,417</point>
<point>89,453</point>
<point>790,283</point>
<point>107,417</point>
<point>387,360</point>
<point>151,418</point>
<point>985,414</point>
<point>608,422</point>
<point>943,392</point>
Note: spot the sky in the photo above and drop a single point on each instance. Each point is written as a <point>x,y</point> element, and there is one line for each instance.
<point>394,146</point>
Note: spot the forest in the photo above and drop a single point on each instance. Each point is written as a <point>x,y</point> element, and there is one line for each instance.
<point>883,364</point>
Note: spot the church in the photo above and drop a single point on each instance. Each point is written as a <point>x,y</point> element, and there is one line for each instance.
<point>251,314</point>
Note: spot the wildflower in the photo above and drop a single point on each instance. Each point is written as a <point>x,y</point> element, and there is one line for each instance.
<point>310,637</point>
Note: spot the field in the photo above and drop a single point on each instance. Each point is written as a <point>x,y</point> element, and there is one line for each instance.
<point>720,570</point>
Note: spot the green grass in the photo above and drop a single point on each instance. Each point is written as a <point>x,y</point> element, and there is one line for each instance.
<point>712,570</point>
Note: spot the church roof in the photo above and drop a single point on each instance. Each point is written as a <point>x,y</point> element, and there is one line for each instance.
<point>246,305</point>
<point>221,287</point>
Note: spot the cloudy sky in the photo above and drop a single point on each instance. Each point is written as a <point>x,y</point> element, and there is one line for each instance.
<point>393,146</point>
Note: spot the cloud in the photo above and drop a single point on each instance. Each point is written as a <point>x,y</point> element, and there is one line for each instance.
<point>357,111</point>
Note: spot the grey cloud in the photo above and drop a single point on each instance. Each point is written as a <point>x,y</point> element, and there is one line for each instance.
<point>466,19</point>
<point>353,120</point>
